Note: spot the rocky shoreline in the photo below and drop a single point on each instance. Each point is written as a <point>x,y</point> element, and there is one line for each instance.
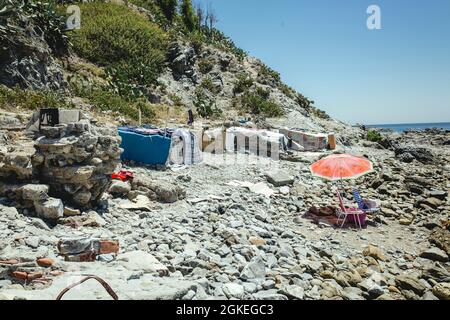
<point>192,234</point>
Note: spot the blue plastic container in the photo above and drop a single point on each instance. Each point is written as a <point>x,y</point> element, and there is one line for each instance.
<point>146,149</point>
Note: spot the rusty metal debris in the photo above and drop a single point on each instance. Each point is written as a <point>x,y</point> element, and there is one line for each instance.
<point>102,282</point>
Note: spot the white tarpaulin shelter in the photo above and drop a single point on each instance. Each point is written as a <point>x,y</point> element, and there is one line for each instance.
<point>259,142</point>
<point>185,148</point>
<point>305,141</point>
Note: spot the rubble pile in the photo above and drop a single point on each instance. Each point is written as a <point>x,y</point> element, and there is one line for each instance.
<point>69,164</point>
<point>77,160</point>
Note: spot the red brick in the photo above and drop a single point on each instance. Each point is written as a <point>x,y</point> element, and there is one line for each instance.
<point>11,261</point>
<point>45,262</point>
<point>34,275</point>
<point>19,275</point>
<point>108,246</point>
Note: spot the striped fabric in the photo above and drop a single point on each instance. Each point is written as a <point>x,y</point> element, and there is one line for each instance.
<point>359,200</point>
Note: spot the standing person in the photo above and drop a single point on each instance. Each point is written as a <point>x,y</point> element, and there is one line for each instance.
<point>191,117</point>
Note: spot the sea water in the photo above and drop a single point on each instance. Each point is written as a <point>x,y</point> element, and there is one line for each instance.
<point>408,126</point>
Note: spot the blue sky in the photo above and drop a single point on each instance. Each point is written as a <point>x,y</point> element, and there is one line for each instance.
<point>323,49</point>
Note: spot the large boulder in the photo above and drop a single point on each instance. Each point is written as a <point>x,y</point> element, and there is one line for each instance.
<point>408,154</point>
<point>51,208</point>
<point>120,188</point>
<point>441,239</point>
<point>162,191</point>
<point>279,178</point>
<point>35,192</point>
<point>407,282</point>
<point>142,261</point>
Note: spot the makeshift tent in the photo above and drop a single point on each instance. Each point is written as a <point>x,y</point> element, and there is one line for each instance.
<point>305,141</point>
<point>185,148</point>
<point>145,145</point>
<point>259,142</point>
<point>214,141</point>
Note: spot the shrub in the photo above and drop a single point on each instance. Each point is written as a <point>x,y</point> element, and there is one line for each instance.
<point>168,7</point>
<point>188,15</point>
<point>219,39</point>
<point>103,99</point>
<point>177,101</point>
<point>259,103</point>
<point>197,41</point>
<point>157,13</point>
<point>374,136</point>
<point>12,98</point>
<point>205,107</point>
<point>208,84</point>
<point>206,65</point>
<point>268,73</point>
<point>242,84</point>
<point>132,48</point>
<point>287,90</point>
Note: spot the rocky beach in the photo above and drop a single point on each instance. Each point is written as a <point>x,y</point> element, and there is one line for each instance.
<point>233,227</point>
<point>194,233</point>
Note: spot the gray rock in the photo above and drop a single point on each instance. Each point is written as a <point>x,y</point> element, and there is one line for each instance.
<point>279,178</point>
<point>293,292</point>
<point>189,295</point>
<point>429,296</point>
<point>435,254</point>
<point>255,269</point>
<point>162,289</point>
<point>268,284</point>
<point>249,287</point>
<point>32,242</point>
<point>38,223</point>
<point>35,192</point>
<point>5,283</point>
<point>119,187</point>
<point>407,282</point>
<point>165,192</point>
<point>408,154</point>
<point>269,295</point>
<point>233,290</point>
<point>51,208</point>
<point>352,293</point>
<point>141,261</point>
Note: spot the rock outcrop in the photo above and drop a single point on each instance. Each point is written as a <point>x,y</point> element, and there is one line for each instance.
<point>77,160</point>
<point>70,164</point>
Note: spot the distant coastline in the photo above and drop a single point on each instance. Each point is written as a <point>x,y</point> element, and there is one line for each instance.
<point>401,127</point>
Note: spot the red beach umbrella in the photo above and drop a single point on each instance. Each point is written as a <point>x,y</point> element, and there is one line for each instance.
<point>341,167</point>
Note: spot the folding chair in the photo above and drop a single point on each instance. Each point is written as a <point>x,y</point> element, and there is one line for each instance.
<point>358,216</point>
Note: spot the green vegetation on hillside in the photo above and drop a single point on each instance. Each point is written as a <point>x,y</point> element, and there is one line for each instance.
<point>242,84</point>
<point>206,65</point>
<point>17,98</point>
<point>205,107</point>
<point>127,50</point>
<point>126,43</point>
<point>188,15</point>
<point>259,103</point>
<point>374,136</point>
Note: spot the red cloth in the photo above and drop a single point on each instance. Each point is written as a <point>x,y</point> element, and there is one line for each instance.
<point>123,175</point>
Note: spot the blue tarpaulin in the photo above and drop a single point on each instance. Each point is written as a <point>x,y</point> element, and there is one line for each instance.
<point>146,149</point>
